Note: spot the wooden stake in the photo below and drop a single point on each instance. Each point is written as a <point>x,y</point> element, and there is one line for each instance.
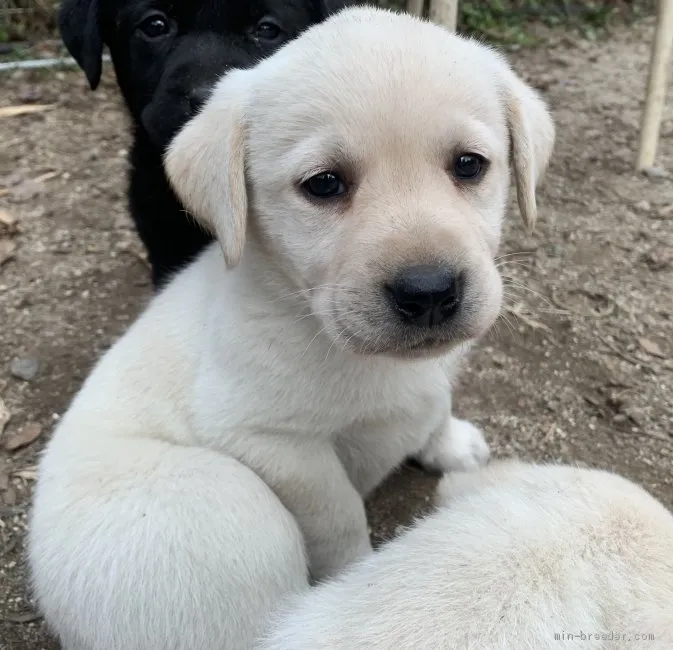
<point>445,12</point>
<point>656,85</point>
<point>416,7</point>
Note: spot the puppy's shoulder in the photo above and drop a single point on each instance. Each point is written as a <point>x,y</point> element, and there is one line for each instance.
<point>143,381</point>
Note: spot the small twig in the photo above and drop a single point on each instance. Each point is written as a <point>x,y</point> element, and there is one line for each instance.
<point>24,109</point>
<point>550,432</point>
<point>9,66</point>
<point>626,357</point>
<point>26,617</point>
<point>516,310</point>
<point>138,255</point>
<point>9,546</point>
<point>46,177</point>
<point>10,511</point>
<point>650,434</point>
<point>532,323</point>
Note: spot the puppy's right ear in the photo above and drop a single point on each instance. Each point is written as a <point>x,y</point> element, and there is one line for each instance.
<point>80,31</point>
<point>532,135</point>
<point>205,164</point>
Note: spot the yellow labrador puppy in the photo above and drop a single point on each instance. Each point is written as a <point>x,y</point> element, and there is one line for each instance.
<point>356,181</point>
<point>517,557</point>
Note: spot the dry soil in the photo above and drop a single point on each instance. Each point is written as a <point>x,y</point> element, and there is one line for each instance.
<point>580,367</point>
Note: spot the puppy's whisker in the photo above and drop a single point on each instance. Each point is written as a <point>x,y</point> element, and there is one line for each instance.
<point>318,333</point>
<point>309,290</point>
<point>512,299</point>
<point>510,255</point>
<point>304,316</point>
<point>354,334</point>
<point>510,263</point>
<point>508,323</point>
<point>509,282</point>
<point>329,349</point>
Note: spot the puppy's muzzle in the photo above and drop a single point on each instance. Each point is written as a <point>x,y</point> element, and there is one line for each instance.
<point>426,295</point>
<point>198,96</point>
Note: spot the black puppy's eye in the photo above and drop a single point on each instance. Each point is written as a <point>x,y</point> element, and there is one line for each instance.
<point>469,166</point>
<point>325,185</point>
<point>267,30</point>
<point>155,26</point>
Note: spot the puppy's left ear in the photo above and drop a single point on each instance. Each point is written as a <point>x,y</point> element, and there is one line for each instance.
<point>532,135</point>
<point>78,22</point>
<point>205,164</point>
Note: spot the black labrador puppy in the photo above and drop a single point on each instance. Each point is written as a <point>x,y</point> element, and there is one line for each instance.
<point>167,54</point>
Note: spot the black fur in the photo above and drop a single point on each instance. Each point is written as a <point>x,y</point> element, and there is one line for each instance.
<point>167,54</point>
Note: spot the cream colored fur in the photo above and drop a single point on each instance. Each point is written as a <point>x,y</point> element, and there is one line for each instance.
<point>516,557</point>
<point>219,453</point>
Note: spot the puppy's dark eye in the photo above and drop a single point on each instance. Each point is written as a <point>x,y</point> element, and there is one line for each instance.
<point>267,30</point>
<point>155,26</point>
<point>325,185</point>
<point>469,166</point>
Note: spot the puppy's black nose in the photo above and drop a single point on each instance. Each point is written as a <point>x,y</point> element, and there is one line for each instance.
<point>198,96</point>
<point>426,295</point>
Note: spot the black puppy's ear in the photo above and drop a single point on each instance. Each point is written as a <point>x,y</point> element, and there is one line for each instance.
<point>329,7</point>
<point>78,22</point>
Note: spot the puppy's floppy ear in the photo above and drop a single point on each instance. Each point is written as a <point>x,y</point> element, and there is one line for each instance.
<point>205,164</point>
<point>532,135</point>
<point>80,30</point>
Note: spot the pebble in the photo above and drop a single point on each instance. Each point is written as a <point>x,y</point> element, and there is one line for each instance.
<point>25,369</point>
<point>656,173</point>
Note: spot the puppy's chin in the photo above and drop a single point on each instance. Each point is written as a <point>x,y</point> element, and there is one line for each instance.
<point>162,122</point>
<point>391,339</point>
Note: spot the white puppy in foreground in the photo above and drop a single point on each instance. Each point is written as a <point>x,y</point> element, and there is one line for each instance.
<point>517,557</point>
<point>357,181</point>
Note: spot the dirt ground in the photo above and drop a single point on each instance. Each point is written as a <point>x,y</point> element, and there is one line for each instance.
<point>580,368</point>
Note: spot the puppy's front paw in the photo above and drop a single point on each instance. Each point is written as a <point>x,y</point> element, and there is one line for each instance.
<point>459,447</point>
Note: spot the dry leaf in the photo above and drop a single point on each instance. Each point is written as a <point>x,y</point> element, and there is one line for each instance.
<point>27,617</point>
<point>14,178</point>
<point>5,416</point>
<point>27,434</point>
<point>28,474</point>
<point>9,496</point>
<point>7,219</point>
<point>7,250</point>
<point>651,348</point>
<point>46,177</point>
<point>26,190</point>
<point>23,109</point>
<point>29,93</point>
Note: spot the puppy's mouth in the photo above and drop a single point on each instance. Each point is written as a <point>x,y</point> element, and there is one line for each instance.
<point>409,324</point>
<point>162,129</point>
<point>403,344</point>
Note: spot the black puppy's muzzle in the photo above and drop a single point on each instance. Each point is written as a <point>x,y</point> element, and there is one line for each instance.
<point>198,96</point>
<point>164,115</point>
<point>189,75</point>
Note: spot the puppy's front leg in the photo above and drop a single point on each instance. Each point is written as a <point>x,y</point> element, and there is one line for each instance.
<point>313,485</point>
<point>457,445</point>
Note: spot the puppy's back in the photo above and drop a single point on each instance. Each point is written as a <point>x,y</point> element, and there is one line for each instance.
<point>516,556</point>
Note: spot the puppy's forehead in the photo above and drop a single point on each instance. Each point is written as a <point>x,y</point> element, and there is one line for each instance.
<point>374,71</point>
<point>215,15</point>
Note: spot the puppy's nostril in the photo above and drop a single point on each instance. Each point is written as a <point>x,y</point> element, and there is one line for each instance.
<point>197,97</point>
<point>426,295</point>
